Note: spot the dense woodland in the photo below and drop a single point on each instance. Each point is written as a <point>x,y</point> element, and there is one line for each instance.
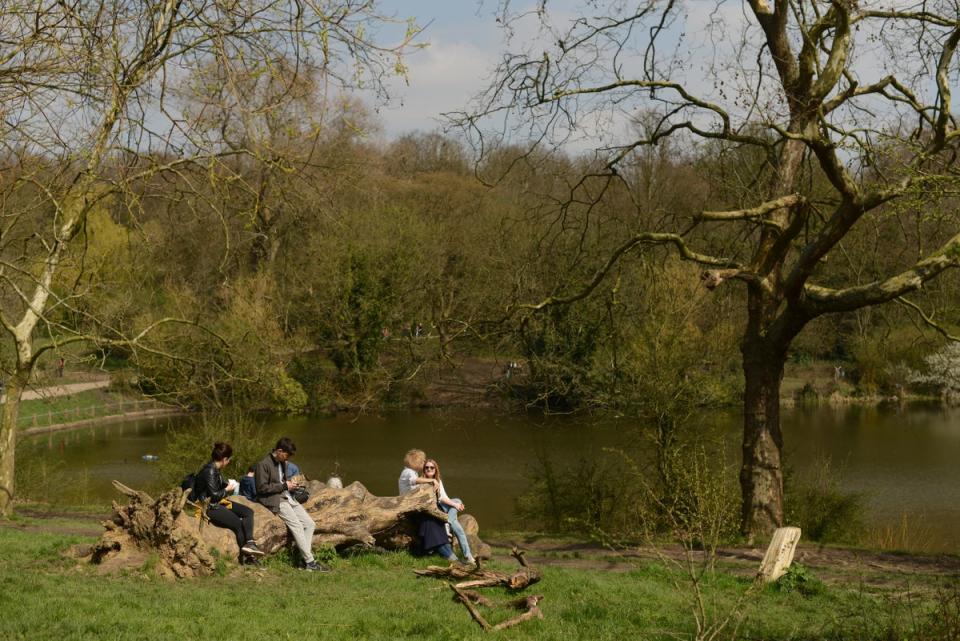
<point>307,282</point>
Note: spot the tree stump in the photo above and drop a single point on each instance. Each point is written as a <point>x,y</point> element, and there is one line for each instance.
<point>168,533</point>
<point>779,554</point>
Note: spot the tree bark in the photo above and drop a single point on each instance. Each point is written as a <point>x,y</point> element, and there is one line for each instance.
<point>761,471</point>
<point>8,439</point>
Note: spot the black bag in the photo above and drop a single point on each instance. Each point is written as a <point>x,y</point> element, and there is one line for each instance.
<point>300,494</point>
<point>188,483</point>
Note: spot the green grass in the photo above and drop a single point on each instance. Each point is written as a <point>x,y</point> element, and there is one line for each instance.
<point>74,407</point>
<point>44,595</point>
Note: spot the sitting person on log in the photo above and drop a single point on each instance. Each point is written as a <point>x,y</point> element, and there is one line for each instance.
<point>248,486</point>
<point>431,470</point>
<point>209,485</point>
<point>433,535</point>
<point>273,484</point>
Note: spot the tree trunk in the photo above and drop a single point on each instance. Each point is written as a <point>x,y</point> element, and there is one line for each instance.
<point>182,545</point>
<point>761,472</point>
<point>8,440</point>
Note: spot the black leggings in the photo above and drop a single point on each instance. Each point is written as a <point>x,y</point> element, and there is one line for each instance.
<point>238,518</point>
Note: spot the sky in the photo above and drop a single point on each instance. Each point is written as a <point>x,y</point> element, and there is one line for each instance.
<point>464,43</point>
<point>463,47</point>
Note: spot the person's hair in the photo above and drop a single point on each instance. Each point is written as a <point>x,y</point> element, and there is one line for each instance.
<point>435,465</point>
<point>221,451</point>
<point>415,459</point>
<point>286,445</point>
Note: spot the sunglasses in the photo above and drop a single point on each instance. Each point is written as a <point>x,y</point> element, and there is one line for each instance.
<point>429,467</point>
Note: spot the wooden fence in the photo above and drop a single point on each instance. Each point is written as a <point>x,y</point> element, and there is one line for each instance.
<point>42,419</point>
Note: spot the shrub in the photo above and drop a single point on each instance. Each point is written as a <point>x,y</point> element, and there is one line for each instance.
<point>822,509</point>
<point>188,446</point>
<point>798,578</point>
<point>942,371</point>
<point>614,495</point>
<point>593,494</point>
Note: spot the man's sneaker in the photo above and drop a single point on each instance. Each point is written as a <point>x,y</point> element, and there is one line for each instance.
<point>313,566</point>
<point>250,560</point>
<point>251,548</point>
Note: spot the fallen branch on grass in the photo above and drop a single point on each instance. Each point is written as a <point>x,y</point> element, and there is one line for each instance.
<point>477,577</point>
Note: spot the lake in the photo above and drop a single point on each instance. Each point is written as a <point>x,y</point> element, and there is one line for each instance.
<point>905,460</point>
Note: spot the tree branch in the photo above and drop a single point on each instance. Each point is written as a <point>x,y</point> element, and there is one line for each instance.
<point>821,300</point>
<point>928,319</point>
<point>640,239</point>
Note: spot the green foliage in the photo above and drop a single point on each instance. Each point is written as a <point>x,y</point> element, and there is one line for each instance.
<point>819,506</point>
<point>880,359</point>
<point>188,446</point>
<point>287,395</point>
<point>365,308</point>
<point>592,494</point>
<point>560,345</point>
<point>799,579</point>
<point>679,358</point>
<point>326,554</point>
<point>613,495</point>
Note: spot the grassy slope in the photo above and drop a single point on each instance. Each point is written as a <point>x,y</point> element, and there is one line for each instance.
<point>46,596</point>
<point>72,407</point>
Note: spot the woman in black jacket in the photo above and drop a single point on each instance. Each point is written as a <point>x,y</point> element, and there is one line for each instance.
<point>209,484</point>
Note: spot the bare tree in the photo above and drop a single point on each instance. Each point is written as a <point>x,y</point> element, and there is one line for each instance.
<point>89,114</point>
<point>848,104</point>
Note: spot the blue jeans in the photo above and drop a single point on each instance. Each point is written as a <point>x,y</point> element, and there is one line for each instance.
<point>445,551</point>
<point>456,528</point>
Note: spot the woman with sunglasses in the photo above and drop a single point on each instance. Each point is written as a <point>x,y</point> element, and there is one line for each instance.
<point>451,507</point>
<point>433,536</point>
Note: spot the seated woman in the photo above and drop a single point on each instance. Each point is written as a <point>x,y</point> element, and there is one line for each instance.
<point>433,535</point>
<point>209,484</point>
<point>431,470</point>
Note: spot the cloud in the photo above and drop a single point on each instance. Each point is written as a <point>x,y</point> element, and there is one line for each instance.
<point>442,77</point>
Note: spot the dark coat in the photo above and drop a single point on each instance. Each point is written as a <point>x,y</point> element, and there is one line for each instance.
<point>209,484</point>
<point>270,488</point>
<point>432,533</point>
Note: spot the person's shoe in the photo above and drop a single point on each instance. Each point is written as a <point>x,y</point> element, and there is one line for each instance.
<point>251,548</point>
<point>471,561</point>
<point>250,560</point>
<point>313,566</point>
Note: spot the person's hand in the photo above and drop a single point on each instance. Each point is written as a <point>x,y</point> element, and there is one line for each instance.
<point>459,506</point>
<point>231,485</point>
<point>292,485</point>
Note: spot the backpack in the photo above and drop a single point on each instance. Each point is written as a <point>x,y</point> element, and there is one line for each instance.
<point>188,484</point>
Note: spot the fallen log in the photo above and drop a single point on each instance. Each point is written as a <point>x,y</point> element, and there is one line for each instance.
<point>173,532</point>
<point>487,578</point>
<point>477,577</point>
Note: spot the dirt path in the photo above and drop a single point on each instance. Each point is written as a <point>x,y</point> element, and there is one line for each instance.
<point>60,390</point>
<point>832,565</point>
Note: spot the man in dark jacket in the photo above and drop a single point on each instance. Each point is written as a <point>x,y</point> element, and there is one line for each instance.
<point>273,491</point>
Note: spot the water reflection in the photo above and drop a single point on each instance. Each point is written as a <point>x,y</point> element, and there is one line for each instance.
<point>904,460</point>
